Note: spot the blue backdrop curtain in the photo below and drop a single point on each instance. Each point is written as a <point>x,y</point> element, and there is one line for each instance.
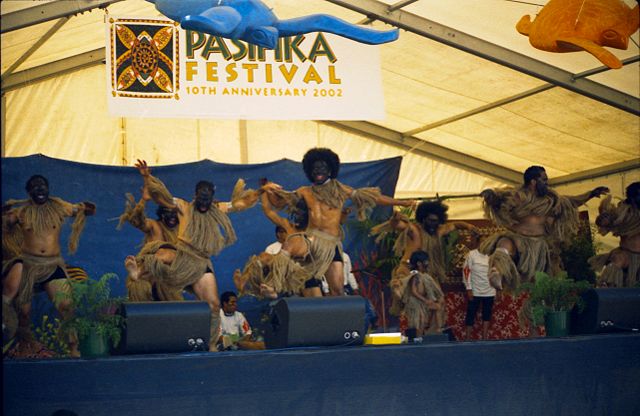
<point>103,249</point>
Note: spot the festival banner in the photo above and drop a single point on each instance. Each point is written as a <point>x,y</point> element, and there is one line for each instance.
<point>157,69</point>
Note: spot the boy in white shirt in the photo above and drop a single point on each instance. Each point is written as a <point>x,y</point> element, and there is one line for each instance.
<point>475,275</point>
<point>234,327</point>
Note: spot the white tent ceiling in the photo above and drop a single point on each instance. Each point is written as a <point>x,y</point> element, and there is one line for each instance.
<point>469,102</point>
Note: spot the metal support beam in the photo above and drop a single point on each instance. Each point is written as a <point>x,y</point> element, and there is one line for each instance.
<point>42,72</point>
<point>49,11</point>
<point>633,164</point>
<point>430,150</point>
<point>395,6</point>
<point>479,110</point>
<point>419,25</point>
<point>35,46</point>
<point>508,100</point>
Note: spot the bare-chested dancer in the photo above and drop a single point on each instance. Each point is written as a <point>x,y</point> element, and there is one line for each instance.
<point>37,263</point>
<point>325,199</point>
<point>537,220</point>
<point>621,266</point>
<point>426,234</point>
<point>271,275</point>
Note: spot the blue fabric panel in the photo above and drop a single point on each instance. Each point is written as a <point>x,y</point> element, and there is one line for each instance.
<point>591,375</point>
<point>103,249</point>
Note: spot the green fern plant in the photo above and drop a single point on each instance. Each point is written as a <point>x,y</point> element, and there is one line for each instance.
<point>554,294</point>
<point>94,309</point>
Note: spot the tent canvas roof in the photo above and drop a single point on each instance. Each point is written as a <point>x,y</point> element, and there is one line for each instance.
<point>492,115</point>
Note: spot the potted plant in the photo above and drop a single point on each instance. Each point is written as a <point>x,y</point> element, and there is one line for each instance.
<point>94,319</point>
<point>552,298</point>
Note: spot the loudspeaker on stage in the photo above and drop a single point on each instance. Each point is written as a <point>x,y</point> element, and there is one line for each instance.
<point>607,310</point>
<point>325,321</point>
<point>164,327</point>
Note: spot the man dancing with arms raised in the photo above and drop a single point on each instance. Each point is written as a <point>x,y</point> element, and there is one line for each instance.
<point>537,220</point>
<point>325,199</point>
<point>204,229</point>
<point>426,233</point>
<point>158,231</point>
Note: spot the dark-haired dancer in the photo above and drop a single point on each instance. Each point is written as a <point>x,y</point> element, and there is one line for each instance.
<point>426,233</point>
<point>271,275</point>
<point>325,199</point>
<point>31,241</point>
<point>164,229</point>
<point>537,220</point>
<point>424,300</point>
<point>204,229</point>
<point>621,266</point>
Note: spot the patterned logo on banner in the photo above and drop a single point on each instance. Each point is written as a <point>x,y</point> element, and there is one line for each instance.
<point>144,58</point>
<point>316,76</point>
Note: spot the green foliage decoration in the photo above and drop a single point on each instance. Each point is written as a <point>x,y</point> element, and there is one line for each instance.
<point>94,309</point>
<point>554,293</point>
<point>377,259</point>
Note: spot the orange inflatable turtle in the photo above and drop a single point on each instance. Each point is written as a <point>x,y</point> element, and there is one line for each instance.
<point>576,25</point>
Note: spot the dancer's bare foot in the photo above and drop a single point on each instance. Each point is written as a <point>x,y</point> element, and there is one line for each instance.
<point>267,291</point>
<point>132,267</point>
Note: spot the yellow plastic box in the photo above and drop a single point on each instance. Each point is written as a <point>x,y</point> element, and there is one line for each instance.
<point>389,338</point>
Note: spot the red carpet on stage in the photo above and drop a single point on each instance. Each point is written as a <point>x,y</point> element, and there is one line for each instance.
<point>504,320</point>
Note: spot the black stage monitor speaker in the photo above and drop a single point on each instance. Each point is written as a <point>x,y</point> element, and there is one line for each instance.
<point>607,310</point>
<point>296,322</point>
<point>162,327</point>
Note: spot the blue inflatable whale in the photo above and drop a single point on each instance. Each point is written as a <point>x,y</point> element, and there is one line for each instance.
<point>253,22</point>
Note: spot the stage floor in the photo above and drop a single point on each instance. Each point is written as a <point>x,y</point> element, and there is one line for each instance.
<point>580,375</point>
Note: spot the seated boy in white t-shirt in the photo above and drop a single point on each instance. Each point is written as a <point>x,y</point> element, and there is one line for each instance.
<point>234,327</point>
